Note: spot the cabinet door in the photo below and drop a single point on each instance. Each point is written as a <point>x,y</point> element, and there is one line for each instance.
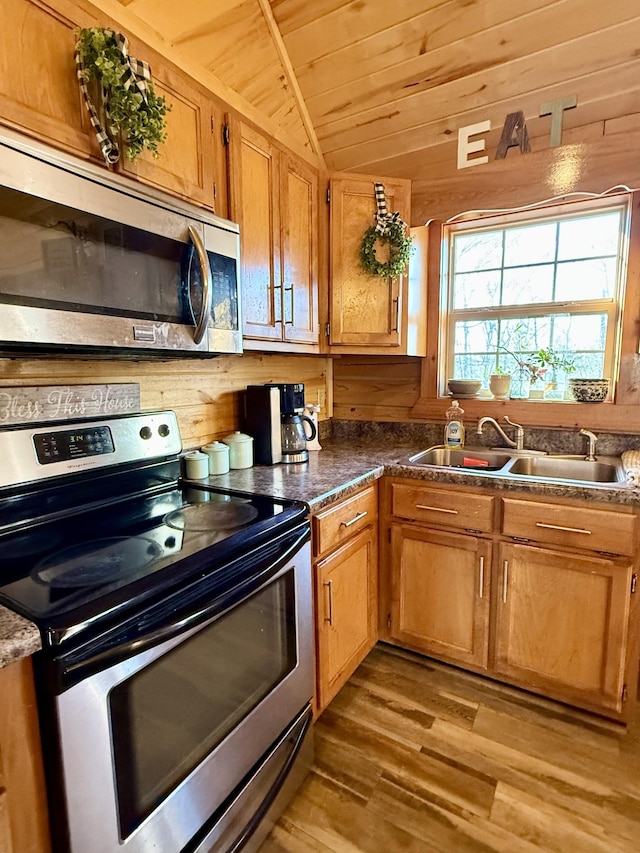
<point>255,206</point>
<point>440,593</point>
<point>185,162</point>
<point>39,90</point>
<point>24,824</point>
<point>299,217</point>
<point>365,310</point>
<point>562,623</point>
<point>347,613</point>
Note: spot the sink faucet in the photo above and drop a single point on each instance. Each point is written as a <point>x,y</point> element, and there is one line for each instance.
<point>518,444</point>
<point>591,455</point>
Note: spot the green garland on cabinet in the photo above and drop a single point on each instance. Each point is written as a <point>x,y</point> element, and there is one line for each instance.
<point>389,229</point>
<point>132,110</point>
<point>399,251</point>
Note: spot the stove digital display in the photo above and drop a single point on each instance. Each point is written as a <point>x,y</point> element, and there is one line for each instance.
<point>73,444</point>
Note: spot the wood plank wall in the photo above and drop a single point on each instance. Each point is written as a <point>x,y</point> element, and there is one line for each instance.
<point>375,388</point>
<point>205,394</point>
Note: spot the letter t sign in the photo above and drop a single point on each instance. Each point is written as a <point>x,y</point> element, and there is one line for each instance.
<point>555,109</point>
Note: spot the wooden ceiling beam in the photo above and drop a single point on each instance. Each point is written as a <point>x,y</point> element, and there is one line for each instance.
<point>291,77</point>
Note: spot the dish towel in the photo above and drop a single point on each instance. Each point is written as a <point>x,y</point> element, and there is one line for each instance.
<point>631,462</point>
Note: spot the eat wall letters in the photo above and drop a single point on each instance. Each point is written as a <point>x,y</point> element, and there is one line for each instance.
<point>514,133</point>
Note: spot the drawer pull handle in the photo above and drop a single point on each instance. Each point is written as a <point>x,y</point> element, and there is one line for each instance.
<point>559,527</point>
<point>354,519</point>
<point>505,580</point>
<point>437,509</point>
<point>329,585</point>
<point>481,590</point>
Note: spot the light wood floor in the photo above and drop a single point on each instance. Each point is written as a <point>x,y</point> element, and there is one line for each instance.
<point>416,756</point>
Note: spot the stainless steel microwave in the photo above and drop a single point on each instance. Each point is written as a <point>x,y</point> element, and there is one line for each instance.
<point>91,262</point>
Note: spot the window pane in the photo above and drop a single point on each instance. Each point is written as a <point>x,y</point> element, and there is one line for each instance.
<point>586,332</point>
<point>595,279</point>
<point>589,366</point>
<point>476,289</point>
<point>479,366</point>
<point>481,251</point>
<point>530,244</point>
<point>475,336</point>
<point>589,236</point>
<point>527,285</point>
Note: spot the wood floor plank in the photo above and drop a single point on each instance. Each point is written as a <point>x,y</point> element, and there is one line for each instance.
<point>551,828</point>
<point>414,755</point>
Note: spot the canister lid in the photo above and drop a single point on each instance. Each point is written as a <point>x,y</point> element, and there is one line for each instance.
<point>237,438</point>
<point>216,447</point>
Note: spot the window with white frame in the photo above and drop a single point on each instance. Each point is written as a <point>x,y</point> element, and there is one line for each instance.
<point>537,295</point>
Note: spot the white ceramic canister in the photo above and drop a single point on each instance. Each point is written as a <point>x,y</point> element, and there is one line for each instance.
<point>240,450</point>
<point>218,453</point>
<point>196,465</point>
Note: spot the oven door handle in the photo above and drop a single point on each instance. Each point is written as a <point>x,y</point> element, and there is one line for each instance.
<point>88,666</point>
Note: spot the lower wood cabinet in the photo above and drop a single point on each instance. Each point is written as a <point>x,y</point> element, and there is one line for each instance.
<point>440,593</point>
<point>345,541</point>
<point>24,824</point>
<point>543,597</point>
<point>562,623</point>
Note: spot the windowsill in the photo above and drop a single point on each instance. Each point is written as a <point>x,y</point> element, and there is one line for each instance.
<point>542,413</point>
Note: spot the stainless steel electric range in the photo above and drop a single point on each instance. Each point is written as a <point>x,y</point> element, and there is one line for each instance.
<point>176,671</point>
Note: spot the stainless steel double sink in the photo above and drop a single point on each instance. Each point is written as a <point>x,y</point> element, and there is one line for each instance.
<point>546,468</point>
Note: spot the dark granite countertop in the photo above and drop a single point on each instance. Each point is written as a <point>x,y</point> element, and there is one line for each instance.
<point>335,472</point>
<point>339,470</point>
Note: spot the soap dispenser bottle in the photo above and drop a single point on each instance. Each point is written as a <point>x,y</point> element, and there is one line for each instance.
<point>454,430</point>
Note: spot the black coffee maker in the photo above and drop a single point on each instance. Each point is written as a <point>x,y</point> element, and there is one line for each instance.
<point>273,416</point>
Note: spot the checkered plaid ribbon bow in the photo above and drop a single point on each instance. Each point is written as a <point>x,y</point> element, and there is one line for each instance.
<point>384,219</point>
<point>137,73</point>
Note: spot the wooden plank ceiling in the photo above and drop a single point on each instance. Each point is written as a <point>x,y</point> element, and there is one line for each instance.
<point>383,87</point>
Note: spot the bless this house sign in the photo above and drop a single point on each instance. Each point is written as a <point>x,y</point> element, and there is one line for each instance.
<point>514,133</point>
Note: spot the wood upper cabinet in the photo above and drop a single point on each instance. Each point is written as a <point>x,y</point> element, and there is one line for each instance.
<point>299,224</point>
<point>274,198</point>
<point>39,91</point>
<point>186,161</point>
<point>255,206</point>
<point>370,314</point>
<point>24,824</point>
<point>345,545</point>
<point>562,623</point>
<point>440,593</point>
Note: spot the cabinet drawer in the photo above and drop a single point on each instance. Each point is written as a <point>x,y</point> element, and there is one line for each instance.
<point>443,507</point>
<point>570,526</point>
<point>339,522</point>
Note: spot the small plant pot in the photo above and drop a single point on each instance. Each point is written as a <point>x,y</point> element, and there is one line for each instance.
<point>500,385</point>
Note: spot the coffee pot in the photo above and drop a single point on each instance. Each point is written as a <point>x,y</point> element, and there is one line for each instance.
<point>295,438</point>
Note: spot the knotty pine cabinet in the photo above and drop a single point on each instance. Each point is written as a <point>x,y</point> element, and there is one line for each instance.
<point>274,198</point>
<point>23,802</point>
<point>537,593</point>
<point>42,98</point>
<point>345,547</point>
<point>369,314</point>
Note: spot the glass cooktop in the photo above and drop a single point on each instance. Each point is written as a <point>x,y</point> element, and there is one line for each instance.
<point>103,558</point>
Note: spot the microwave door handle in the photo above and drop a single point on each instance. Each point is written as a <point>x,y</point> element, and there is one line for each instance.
<point>207,285</point>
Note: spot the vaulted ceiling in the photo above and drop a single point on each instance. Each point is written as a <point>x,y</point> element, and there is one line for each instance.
<point>383,87</point>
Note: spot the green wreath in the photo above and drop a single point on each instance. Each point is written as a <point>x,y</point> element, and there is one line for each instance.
<point>399,250</point>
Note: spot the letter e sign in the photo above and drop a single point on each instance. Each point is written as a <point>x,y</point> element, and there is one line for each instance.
<point>466,147</point>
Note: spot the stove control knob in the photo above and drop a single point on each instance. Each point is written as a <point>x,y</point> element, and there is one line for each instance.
<point>145,433</point>
<point>163,430</point>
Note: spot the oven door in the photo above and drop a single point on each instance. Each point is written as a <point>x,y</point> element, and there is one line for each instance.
<point>152,745</point>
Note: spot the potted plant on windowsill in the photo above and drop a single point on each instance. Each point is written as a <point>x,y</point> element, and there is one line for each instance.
<point>500,384</point>
<point>544,370</point>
